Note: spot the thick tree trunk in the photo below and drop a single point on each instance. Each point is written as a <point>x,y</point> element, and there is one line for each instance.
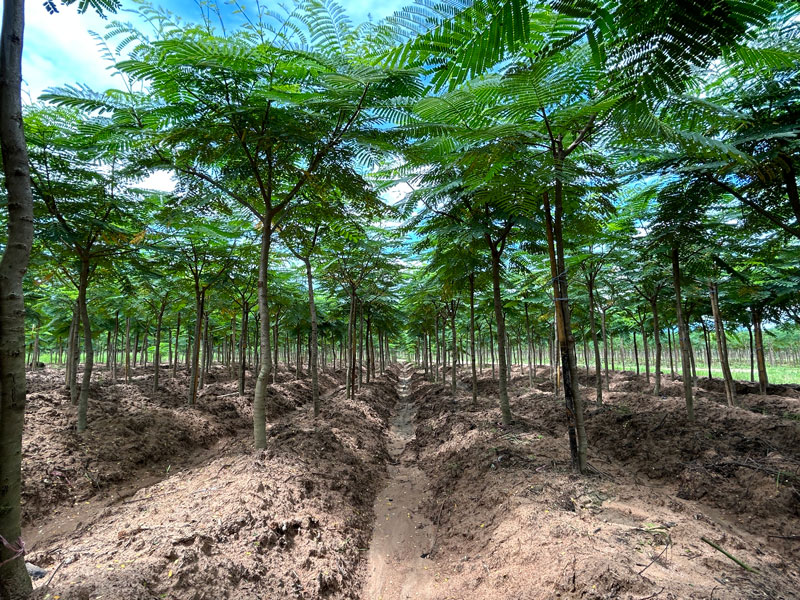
<point>265,360</point>
<point>505,408</point>
<point>88,360</point>
<point>15,583</point>
<point>722,344</point>
<point>683,336</point>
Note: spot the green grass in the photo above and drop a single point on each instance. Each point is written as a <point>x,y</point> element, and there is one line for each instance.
<point>776,374</point>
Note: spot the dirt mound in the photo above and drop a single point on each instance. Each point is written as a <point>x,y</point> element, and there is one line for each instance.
<point>290,521</point>
<point>515,522</point>
<point>130,429</point>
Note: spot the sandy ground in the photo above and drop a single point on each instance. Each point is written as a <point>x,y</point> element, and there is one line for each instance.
<point>403,537</point>
<point>290,521</point>
<point>409,491</point>
<point>517,523</point>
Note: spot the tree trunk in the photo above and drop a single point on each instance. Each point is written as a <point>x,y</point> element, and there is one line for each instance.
<point>707,344</point>
<point>752,354</point>
<point>72,346</point>
<point>683,336</point>
<point>453,308</point>
<point>598,374</point>
<point>472,338</point>
<point>127,349</point>
<point>605,344</point>
<point>265,360</point>
<point>194,372</point>
<point>530,347</point>
<point>505,409</point>
<point>566,339</point>
<point>350,364</point>
<point>243,347</point>
<point>758,337</point>
<point>15,583</point>
<point>177,337</point>
<point>114,349</point>
<point>157,356</point>
<point>722,344</point>
<point>88,360</point>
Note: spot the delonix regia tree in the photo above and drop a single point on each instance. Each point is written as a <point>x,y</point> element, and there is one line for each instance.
<point>258,113</point>
<point>14,580</point>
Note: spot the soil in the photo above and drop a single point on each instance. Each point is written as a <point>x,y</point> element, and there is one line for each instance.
<point>290,521</point>
<point>517,523</point>
<point>410,491</point>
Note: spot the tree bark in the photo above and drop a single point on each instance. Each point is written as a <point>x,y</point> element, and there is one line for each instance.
<point>15,583</point>
<point>683,335</point>
<point>472,338</point>
<point>453,308</point>
<point>177,337</point>
<point>722,344</point>
<point>88,360</point>
<point>505,408</point>
<point>758,338</point>
<point>157,356</point>
<point>598,374</point>
<point>566,339</point>
<point>265,360</point>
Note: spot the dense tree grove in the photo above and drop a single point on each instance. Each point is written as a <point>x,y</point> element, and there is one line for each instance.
<point>585,185</point>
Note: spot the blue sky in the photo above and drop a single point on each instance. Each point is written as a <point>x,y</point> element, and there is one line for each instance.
<point>59,48</point>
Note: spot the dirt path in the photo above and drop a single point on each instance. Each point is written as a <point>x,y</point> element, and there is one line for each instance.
<point>396,569</point>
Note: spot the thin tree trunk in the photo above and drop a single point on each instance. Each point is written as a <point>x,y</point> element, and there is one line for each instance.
<point>177,337</point>
<point>722,344</point>
<point>752,354</point>
<point>598,373</point>
<point>88,360</point>
<point>157,356</point>
<point>453,308</point>
<point>474,381</point>
<point>505,408</point>
<point>683,336</point>
<point>758,337</point>
<point>566,339</point>
<point>243,348</point>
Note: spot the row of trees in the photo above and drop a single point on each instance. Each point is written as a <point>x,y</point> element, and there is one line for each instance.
<point>577,172</point>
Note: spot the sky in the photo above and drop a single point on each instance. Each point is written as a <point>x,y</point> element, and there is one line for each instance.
<point>59,49</point>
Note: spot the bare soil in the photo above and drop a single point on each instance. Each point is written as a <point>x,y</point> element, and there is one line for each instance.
<point>416,494</point>
<point>291,521</point>
<point>517,523</point>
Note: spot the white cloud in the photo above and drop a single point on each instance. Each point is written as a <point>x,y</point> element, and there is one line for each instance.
<point>160,181</point>
<point>58,49</point>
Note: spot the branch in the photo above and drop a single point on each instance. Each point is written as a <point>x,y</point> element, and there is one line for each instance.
<point>760,210</point>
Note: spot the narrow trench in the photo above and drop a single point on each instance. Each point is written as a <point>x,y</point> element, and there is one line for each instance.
<point>402,534</point>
